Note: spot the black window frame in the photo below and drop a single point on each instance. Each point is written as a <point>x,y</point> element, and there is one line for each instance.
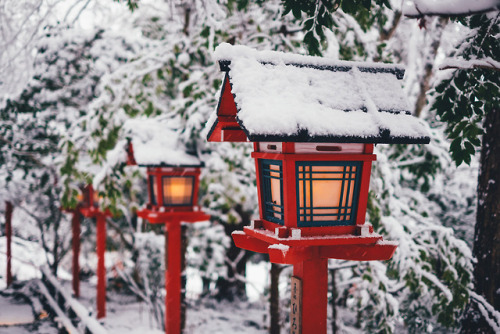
<point>301,176</point>
<point>266,200</point>
<point>152,185</point>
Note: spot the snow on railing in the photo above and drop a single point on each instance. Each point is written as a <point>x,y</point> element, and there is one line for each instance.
<point>71,313</point>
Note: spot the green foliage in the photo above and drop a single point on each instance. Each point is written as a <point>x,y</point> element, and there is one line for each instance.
<point>131,4</point>
<point>316,16</point>
<point>462,100</point>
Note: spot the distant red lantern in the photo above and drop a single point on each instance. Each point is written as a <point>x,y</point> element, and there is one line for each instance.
<point>89,207</point>
<point>173,195</point>
<point>313,123</point>
<point>173,198</point>
<point>88,202</point>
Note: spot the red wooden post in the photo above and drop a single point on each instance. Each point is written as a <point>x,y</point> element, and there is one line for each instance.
<point>8,233</point>
<point>173,277</point>
<point>101,269</point>
<point>314,276</point>
<point>75,224</point>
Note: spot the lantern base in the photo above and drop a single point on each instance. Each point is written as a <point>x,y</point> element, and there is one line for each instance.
<point>295,249</point>
<point>157,217</point>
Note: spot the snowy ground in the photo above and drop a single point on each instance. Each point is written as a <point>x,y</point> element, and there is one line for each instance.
<point>127,315</point>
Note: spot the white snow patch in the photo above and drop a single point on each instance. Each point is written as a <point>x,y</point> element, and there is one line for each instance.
<point>156,141</point>
<point>275,98</point>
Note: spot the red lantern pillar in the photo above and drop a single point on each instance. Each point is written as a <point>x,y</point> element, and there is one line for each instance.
<point>75,227</point>
<point>173,263</point>
<point>8,233</point>
<point>314,276</point>
<point>101,269</point>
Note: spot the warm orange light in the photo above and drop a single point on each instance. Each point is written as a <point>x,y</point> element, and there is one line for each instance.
<point>275,190</point>
<point>323,190</point>
<point>177,190</point>
<point>96,198</point>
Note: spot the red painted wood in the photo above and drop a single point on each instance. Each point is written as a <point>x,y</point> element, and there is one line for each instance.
<point>376,252</point>
<point>314,276</point>
<point>293,255</point>
<point>347,239</point>
<point>259,191</point>
<point>289,190</point>
<point>233,135</point>
<point>75,243</point>
<point>130,155</point>
<point>288,147</point>
<point>363,192</point>
<point>101,269</point>
<point>227,106</point>
<point>368,148</point>
<point>173,278</point>
<point>8,234</point>
<point>242,240</point>
<point>313,231</point>
<point>315,157</point>
<point>156,217</point>
<point>159,186</point>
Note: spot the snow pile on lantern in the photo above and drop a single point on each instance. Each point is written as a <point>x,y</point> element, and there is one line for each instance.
<point>313,122</point>
<point>155,142</point>
<point>172,171</point>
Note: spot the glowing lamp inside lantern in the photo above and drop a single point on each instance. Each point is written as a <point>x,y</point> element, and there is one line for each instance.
<point>178,190</point>
<point>172,187</point>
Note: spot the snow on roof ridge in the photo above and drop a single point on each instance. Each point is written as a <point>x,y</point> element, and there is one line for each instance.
<point>226,52</point>
<point>156,142</point>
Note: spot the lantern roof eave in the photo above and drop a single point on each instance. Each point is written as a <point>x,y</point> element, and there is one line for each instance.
<point>278,97</point>
<point>199,165</point>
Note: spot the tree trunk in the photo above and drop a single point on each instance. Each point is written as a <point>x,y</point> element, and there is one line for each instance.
<point>487,231</point>
<point>8,234</point>
<point>429,65</point>
<point>274,297</point>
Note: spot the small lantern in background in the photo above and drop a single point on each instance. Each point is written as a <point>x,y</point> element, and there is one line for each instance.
<point>173,182</point>
<point>89,207</point>
<point>313,123</point>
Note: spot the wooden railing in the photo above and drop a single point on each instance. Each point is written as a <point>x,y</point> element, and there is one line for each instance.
<point>71,315</point>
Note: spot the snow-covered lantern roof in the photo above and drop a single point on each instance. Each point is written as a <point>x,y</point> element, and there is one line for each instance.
<point>313,122</point>
<point>172,172</point>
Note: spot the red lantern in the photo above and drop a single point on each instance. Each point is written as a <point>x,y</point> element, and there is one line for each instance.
<point>313,123</point>
<point>173,182</point>
<point>173,195</point>
<point>89,207</point>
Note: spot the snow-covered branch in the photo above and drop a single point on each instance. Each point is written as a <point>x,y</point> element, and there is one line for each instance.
<point>489,313</point>
<point>420,8</point>
<point>486,63</point>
